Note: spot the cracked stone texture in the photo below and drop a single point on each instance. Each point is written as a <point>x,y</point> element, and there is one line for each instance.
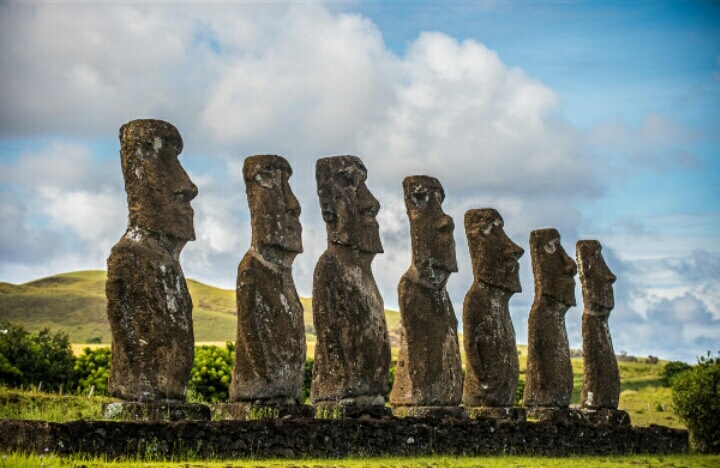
<point>601,377</point>
<point>149,307</point>
<point>428,371</point>
<point>352,353</point>
<point>549,379</point>
<point>270,347</point>
<point>492,367</point>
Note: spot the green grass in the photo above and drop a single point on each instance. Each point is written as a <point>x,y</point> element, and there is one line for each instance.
<point>33,405</point>
<point>633,461</point>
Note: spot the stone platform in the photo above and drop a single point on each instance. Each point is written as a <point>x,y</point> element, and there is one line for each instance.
<point>155,411</point>
<point>297,438</point>
<point>253,411</point>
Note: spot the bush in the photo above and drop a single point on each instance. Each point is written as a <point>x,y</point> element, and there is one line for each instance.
<point>92,369</point>
<point>28,360</point>
<point>211,372</point>
<point>519,392</point>
<point>696,400</point>
<point>672,370</point>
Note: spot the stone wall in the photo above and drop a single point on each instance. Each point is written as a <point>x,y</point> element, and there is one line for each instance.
<point>295,438</point>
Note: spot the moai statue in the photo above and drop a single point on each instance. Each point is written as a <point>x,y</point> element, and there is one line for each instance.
<point>352,353</point>
<point>492,368</point>
<point>149,307</point>
<point>549,383</point>
<point>428,376</point>
<point>270,348</point>
<point>601,377</point>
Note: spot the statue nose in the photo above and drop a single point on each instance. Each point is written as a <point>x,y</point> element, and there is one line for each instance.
<point>570,266</point>
<point>292,203</point>
<point>368,204</point>
<point>514,251</point>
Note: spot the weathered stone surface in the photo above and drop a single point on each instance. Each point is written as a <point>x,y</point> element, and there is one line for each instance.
<point>155,411</point>
<point>436,412</point>
<point>308,438</point>
<point>601,377</point>
<point>354,407</point>
<point>352,353</point>
<point>503,413</point>
<point>549,380</point>
<point>428,371</point>
<point>251,411</point>
<point>270,347</point>
<point>149,307</point>
<point>556,415</point>
<point>492,367</point>
<point>612,417</point>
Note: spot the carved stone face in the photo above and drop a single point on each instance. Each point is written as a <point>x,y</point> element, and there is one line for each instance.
<point>348,207</point>
<point>595,276</point>
<point>274,209</point>
<point>431,230</point>
<point>553,269</point>
<point>494,256</point>
<point>158,189</point>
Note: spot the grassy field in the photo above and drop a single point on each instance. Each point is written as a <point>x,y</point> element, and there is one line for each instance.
<point>75,304</point>
<point>632,461</point>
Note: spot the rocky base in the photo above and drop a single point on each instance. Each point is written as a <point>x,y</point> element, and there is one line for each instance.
<point>308,438</point>
<point>499,413</point>
<point>557,415</point>
<point>251,411</point>
<point>155,411</point>
<point>437,412</point>
<point>351,408</point>
<point>607,416</point>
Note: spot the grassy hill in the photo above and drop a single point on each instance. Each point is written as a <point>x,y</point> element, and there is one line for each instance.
<point>75,304</point>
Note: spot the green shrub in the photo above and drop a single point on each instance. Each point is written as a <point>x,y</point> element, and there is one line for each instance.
<point>27,360</point>
<point>519,392</point>
<point>92,369</point>
<point>672,370</point>
<point>696,400</point>
<point>211,372</point>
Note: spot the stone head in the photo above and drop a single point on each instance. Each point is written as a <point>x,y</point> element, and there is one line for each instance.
<point>274,210</point>
<point>431,229</point>
<point>158,189</point>
<point>595,276</point>
<point>348,207</point>
<point>494,256</point>
<point>553,269</point>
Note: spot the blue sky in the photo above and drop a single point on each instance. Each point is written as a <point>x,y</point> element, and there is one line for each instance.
<point>597,118</point>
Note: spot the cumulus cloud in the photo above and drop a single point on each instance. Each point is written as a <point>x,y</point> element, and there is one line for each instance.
<point>70,203</point>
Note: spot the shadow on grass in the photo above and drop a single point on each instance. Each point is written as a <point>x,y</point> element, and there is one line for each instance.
<point>638,385</point>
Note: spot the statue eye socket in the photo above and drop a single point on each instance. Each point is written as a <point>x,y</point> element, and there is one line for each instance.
<point>267,179</point>
<point>551,247</point>
<point>345,179</point>
<point>419,197</point>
